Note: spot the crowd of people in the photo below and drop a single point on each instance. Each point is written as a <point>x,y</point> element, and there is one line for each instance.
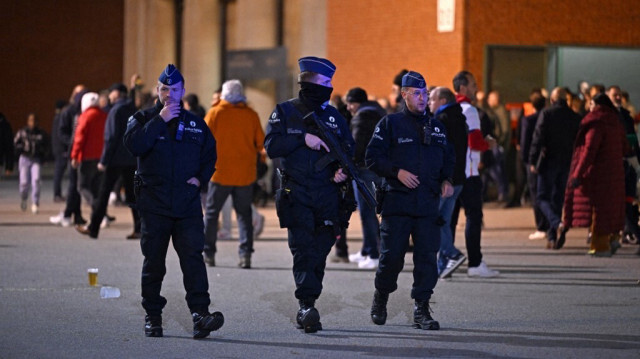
<point>426,153</point>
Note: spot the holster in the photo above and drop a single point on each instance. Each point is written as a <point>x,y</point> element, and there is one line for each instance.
<point>137,184</point>
<point>284,207</point>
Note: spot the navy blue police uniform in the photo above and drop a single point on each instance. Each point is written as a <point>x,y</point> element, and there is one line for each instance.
<point>418,144</point>
<point>168,155</point>
<point>308,201</point>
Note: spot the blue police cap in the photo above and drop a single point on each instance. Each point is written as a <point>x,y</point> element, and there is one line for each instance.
<point>413,79</point>
<point>317,65</point>
<point>171,75</point>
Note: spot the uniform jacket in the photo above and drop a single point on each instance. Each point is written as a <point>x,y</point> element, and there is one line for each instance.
<point>362,126</point>
<point>239,139</point>
<point>598,168</point>
<point>33,143</point>
<point>555,132</point>
<point>165,164</point>
<point>114,153</point>
<point>457,133</point>
<point>89,136</point>
<point>397,143</point>
<point>285,139</point>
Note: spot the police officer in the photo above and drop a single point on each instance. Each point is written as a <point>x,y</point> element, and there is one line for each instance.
<point>410,151</point>
<point>309,198</point>
<point>176,153</point>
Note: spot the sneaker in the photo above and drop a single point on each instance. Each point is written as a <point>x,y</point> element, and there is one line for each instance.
<point>482,271</point>
<point>106,221</point>
<point>210,260</point>
<point>338,259</point>
<point>23,205</point>
<point>153,326</point>
<point>61,220</point>
<point>112,198</point>
<point>308,317</point>
<point>615,245</point>
<point>561,236</point>
<point>369,263</point>
<point>452,265</point>
<point>604,254</point>
<point>34,208</point>
<point>224,234</point>
<point>258,226</point>
<point>356,257</point>
<point>134,235</point>
<point>245,262</point>
<point>205,323</point>
<point>537,235</point>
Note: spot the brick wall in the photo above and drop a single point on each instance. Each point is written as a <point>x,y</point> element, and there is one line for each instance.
<point>544,22</point>
<point>371,41</point>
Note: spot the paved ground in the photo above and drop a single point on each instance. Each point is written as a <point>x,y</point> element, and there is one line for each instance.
<point>545,304</point>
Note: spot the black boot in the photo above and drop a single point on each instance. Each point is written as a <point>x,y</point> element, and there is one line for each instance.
<point>153,326</point>
<point>379,308</point>
<point>308,317</point>
<point>205,322</point>
<point>422,316</point>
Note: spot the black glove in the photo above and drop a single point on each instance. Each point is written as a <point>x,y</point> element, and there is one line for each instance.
<point>574,183</point>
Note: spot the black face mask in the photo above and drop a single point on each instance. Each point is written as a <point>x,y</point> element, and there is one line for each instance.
<point>314,95</point>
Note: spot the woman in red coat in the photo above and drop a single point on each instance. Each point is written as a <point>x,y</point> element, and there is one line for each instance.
<point>595,191</point>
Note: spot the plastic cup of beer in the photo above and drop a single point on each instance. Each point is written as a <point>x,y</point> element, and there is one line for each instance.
<point>93,276</point>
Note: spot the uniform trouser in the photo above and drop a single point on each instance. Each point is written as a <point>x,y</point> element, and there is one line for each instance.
<point>394,233</point>
<point>242,198</point>
<point>109,178</point>
<point>29,169</point>
<point>72,205</point>
<point>471,199</point>
<point>447,249</point>
<point>187,235</point>
<point>541,221</point>
<point>60,167</point>
<point>551,187</point>
<point>368,217</point>
<point>310,240</point>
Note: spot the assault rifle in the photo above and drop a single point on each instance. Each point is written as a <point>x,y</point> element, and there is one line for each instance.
<point>336,153</point>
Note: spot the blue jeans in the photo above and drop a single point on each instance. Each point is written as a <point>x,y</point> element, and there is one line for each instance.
<point>447,249</point>
<point>242,198</point>
<point>370,224</point>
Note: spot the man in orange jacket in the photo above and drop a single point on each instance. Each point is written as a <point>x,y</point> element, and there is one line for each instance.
<point>240,138</point>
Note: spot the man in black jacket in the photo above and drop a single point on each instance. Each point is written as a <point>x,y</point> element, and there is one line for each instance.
<point>366,115</point>
<point>550,158</point>
<point>443,105</point>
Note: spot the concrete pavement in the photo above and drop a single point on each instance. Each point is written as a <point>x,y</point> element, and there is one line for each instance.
<point>545,304</point>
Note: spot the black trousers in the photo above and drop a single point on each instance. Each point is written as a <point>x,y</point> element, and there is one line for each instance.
<point>187,235</point>
<point>72,206</point>
<point>310,239</point>
<point>394,235</point>
<point>110,177</point>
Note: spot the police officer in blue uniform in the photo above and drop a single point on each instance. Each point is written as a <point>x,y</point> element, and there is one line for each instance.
<point>309,199</point>
<point>409,150</point>
<point>176,154</point>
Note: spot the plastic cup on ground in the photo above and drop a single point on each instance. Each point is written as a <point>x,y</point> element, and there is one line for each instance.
<point>93,276</point>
